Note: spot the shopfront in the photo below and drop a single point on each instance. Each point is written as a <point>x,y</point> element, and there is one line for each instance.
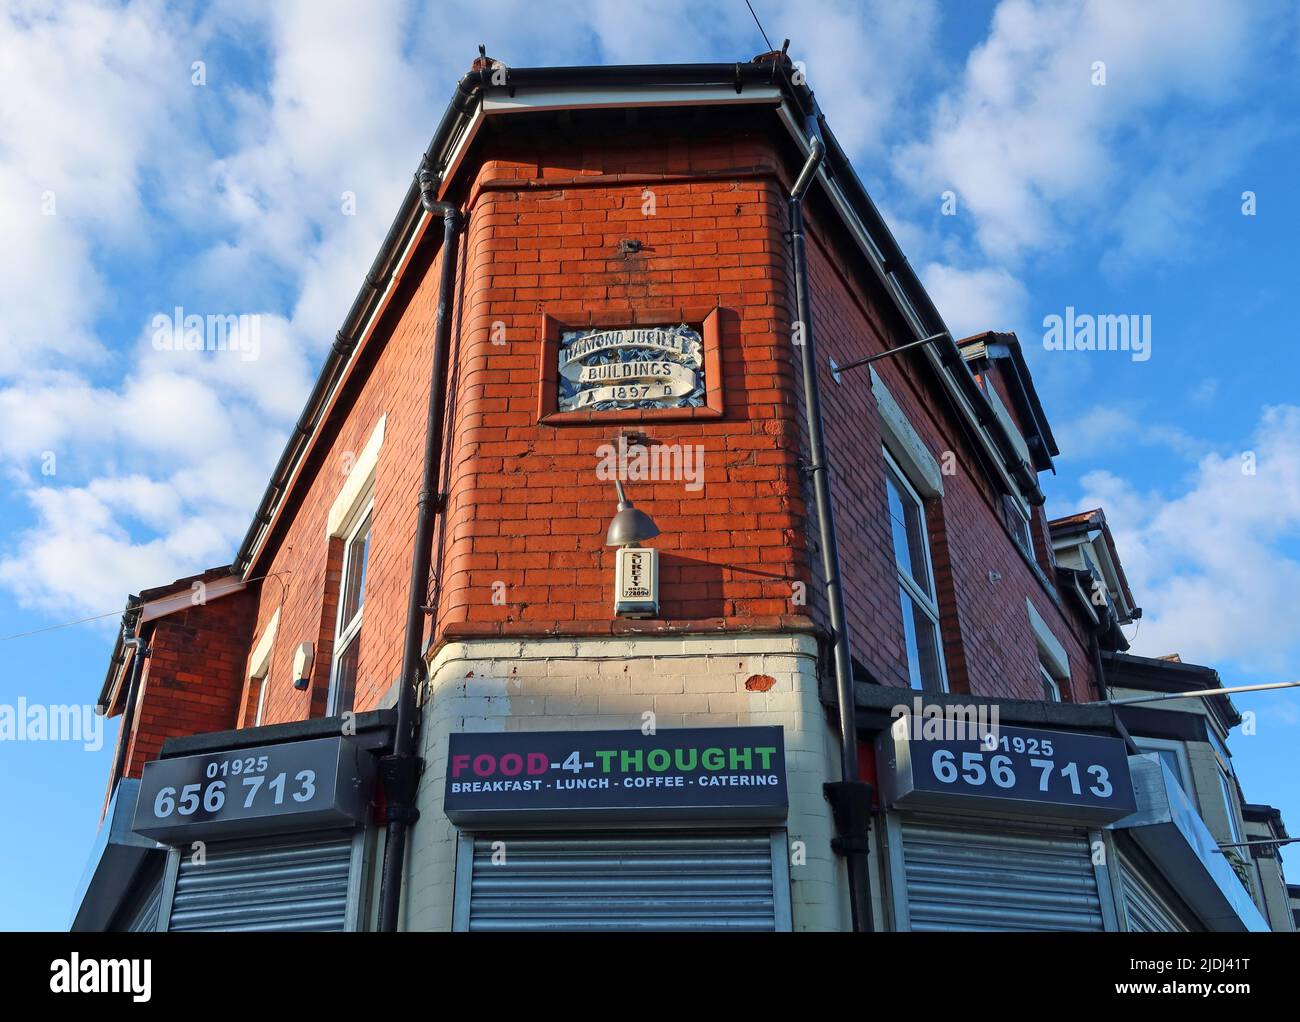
<point>246,837</point>
<point>269,837</point>
<point>1018,828</point>
<point>619,830</point>
<point>999,828</point>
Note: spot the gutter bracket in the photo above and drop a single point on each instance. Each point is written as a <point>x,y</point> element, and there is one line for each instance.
<point>400,777</point>
<point>851,805</point>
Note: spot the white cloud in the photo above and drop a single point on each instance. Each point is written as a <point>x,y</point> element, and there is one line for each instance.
<point>1043,161</point>
<point>88,97</point>
<point>845,48</point>
<point>160,455</point>
<point>972,301</point>
<point>1102,428</point>
<point>1205,391</point>
<point>1215,566</point>
<point>81,558</point>
<point>1032,146</point>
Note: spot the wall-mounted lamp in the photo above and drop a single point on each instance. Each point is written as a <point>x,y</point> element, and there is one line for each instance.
<point>636,568</point>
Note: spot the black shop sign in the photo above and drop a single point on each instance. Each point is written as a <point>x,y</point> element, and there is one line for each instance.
<point>323,782</point>
<point>571,776</point>
<point>1024,772</point>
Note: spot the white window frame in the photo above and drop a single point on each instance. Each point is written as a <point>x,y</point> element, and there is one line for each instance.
<point>345,633</point>
<point>1227,785</point>
<point>1051,684</point>
<point>1180,752</point>
<point>263,683</point>
<point>1022,528</point>
<point>1235,827</point>
<point>929,604</point>
<point>259,664</point>
<point>1053,661</point>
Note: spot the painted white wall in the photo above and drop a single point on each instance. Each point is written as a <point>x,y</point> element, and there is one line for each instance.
<point>686,681</point>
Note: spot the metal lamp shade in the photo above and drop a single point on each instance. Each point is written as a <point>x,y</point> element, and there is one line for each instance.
<point>630,525</point>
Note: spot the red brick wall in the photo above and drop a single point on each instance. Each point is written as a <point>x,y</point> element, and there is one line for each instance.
<point>527,508</point>
<point>989,642</point>
<point>194,679</point>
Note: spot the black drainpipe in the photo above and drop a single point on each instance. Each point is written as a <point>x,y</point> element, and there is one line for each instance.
<point>850,797</point>
<point>400,771</point>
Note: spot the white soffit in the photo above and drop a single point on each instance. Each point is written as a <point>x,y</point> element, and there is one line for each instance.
<point>577,97</point>
<point>196,595</point>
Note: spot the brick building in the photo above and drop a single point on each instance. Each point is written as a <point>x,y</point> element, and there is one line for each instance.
<point>605,266</point>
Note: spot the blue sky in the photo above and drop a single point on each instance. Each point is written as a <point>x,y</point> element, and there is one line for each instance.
<point>133,181</point>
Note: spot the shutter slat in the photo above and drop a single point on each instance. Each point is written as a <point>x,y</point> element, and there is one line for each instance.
<point>964,876</point>
<point>644,881</point>
<point>295,884</point>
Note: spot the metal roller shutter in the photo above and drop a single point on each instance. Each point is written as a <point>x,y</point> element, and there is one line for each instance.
<point>1147,911</point>
<point>643,881</point>
<point>294,884</point>
<point>1003,876</point>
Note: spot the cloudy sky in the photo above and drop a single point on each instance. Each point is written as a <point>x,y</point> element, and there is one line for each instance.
<point>242,158</point>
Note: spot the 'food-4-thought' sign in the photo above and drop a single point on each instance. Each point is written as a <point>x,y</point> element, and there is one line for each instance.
<point>563,776</point>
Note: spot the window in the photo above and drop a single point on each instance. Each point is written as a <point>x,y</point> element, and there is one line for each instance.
<point>1051,688</point>
<point>915,582</point>
<point>1053,661</point>
<point>1173,756</point>
<point>352,598</point>
<point>263,684</point>
<point>1017,517</point>
<point>259,674</point>
<point>1229,805</point>
<point>1226,784</point>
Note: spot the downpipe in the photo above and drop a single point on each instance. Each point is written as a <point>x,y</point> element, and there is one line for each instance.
<point>400,771</point>
<point>850,797</point>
